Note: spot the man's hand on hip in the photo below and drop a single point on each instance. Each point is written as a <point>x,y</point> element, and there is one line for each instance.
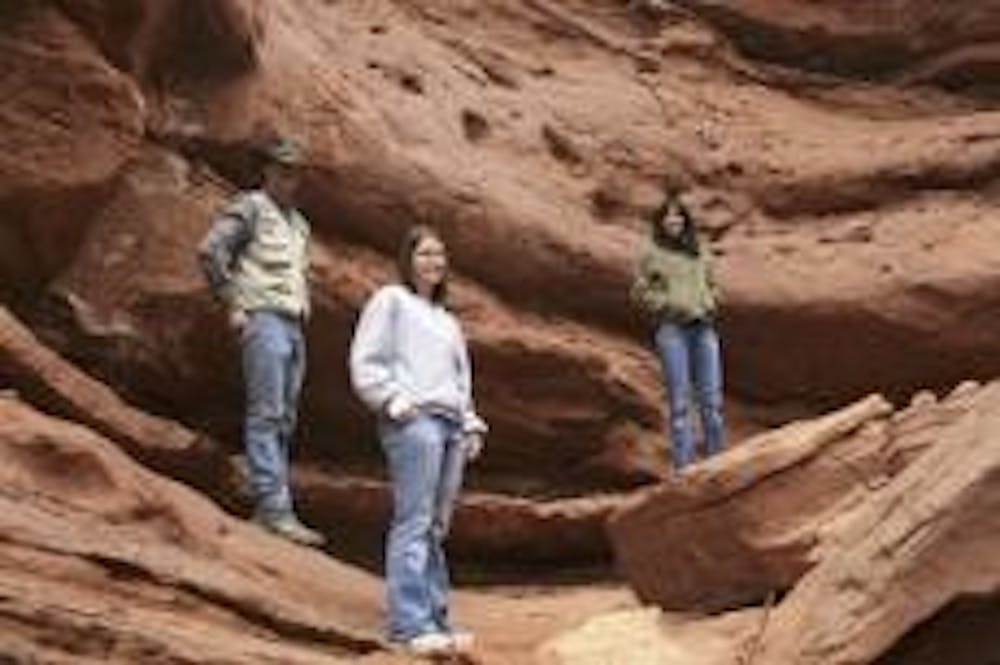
<point>238,321</point>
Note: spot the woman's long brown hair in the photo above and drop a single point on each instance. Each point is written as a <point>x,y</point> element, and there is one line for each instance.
<point>404,262</point>
<point>687,239</point>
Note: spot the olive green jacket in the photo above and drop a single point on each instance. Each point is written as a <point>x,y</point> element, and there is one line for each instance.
<point>673,284</point>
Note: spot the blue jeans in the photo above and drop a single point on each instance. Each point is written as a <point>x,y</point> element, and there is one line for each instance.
<point>274,364</point>
<point>690,358</point>
<point>426,462</point>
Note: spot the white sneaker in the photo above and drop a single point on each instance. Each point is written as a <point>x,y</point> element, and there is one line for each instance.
<point>430,644</point>
<point>462,641</point>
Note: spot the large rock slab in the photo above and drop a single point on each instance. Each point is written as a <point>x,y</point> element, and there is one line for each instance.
<point>104,561</point>
<point>917,556</point>
<point>52,383</point>
<point>752,521</point>
<point>490,529</point>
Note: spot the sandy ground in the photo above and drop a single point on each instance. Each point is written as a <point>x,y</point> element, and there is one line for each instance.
<point>591,625</point>
<point>510,622</point>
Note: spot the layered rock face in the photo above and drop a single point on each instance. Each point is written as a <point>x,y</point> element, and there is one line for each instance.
<point>950,46</point>
<point>752,522</point>
<point>534,135</point>
<point>488,525</point>
<point>103,561</point>
<point>841,156</point>
<point>864,536</point>
<point>920,554</point>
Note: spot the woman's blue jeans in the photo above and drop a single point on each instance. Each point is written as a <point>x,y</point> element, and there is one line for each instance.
<point>692,370</point>
<point>426,463</point>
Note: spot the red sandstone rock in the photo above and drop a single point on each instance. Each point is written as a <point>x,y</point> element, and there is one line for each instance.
<point>534,134</point>
<point>41,376</point>
<point>912,575</point>
<point>754,520</point>
<point>536,163</point>
<point>69,120</point>
<point>487,527</point>
<point>856,236</point>
<point>869,39</point>
<point>903,572</point>
<point>103,561</point>
<point>354,511</point>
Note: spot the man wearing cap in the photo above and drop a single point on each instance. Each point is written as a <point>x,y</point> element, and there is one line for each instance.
<point>255,258</point>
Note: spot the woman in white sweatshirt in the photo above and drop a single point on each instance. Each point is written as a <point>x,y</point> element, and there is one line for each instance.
<point>410,365</point>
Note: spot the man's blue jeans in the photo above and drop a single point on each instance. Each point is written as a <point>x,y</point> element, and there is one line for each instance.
<point>274,363</point>
<point>426,463</point>
<point>690,357</point>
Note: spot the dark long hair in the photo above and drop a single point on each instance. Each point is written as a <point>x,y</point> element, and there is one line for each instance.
<point>684,241</point>
<point>404,262</point>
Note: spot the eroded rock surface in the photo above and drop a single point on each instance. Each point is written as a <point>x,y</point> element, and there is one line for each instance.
<point>103,561</point>
<point>534,134</point>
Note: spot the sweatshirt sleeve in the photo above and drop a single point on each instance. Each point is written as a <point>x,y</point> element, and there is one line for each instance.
<point>229,235</point>
<point>372,350</point>
<point>471,422</point>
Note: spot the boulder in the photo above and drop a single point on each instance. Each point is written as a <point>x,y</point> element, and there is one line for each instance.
<point>104,561</point>
<point>912,575</point>
<point>752,521</point>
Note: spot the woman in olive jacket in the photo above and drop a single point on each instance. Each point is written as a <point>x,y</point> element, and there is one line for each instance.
<point>674,288</point>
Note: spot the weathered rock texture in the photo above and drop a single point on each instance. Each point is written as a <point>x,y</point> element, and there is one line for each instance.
<point>48,381</point>
<point>918,556</point>
<point>353,511</point>
<point>490,531</point>
<point>872,535</point>
<point>103,561</point>
<point>745,524</point>
<point>533,133</point>
<point>843,158</point>
<point>753,521</point>
<point>948,45</point>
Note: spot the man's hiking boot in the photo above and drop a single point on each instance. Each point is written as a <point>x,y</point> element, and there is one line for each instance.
<point>290,528</point>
